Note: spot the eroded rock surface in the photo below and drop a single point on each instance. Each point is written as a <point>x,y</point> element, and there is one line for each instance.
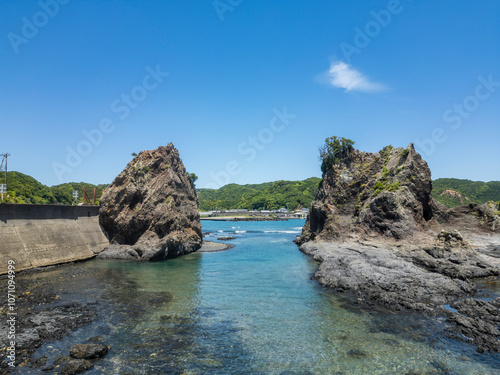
<point>477,321</point>
<point>150,210</point>
<point>387,193</point>
<point>379,234</point>
<point>380,275</point>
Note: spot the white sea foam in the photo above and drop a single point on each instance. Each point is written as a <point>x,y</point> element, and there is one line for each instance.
<point>282,231</point>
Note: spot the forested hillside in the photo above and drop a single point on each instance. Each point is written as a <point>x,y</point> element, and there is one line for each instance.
<point>269,195</point>
<point>455,192</point>
<point>22,188</point>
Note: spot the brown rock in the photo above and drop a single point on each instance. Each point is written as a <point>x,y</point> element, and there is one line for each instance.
<point>375,229</point>
<point>152,208</point>
<point>76,366</point>
<point>386,193</point>
<point>88,351</point>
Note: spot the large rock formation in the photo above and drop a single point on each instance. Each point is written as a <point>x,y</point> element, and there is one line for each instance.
<point>386,193</point>
<point>150,210</point>
<point>379,234</point>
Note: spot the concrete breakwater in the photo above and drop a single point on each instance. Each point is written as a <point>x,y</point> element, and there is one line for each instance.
<point>43,235</point>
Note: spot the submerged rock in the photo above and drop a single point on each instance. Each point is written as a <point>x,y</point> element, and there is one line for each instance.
<point>212,247</point>
<point>226,238</point>
<point>88,351</point>
<point>477,321</point>
<point>150,210</point>
<point>76,366</point>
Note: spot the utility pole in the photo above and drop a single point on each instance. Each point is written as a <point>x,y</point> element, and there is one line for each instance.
<point>3,188</point>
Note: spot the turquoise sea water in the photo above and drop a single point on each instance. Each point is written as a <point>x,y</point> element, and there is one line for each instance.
<point>251,310</point>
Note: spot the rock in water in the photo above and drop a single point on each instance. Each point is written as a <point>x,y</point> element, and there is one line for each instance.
<point>76,366</point>
<point>386,193</point>
<point>88,351</point>
<point>373,227</point>
<point>150,210</point>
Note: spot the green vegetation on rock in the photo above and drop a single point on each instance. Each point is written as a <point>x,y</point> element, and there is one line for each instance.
<point>333,151</point>
<point>192,177</point>
<point>266,196</point>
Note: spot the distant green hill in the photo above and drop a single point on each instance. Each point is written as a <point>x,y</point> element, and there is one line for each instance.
<point>455,192</point>
<point>22,188</point>
<point>268,195</point>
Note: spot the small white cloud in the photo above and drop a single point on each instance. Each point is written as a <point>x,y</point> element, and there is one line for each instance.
<point>344,76</point>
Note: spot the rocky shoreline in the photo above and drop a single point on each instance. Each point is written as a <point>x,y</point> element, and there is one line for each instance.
<point>43,314</point>
<point>399,279</point>
<point>55,304</point>
<point>378,233</point>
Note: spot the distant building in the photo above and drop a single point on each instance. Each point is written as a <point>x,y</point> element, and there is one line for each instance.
<point>300,214</point>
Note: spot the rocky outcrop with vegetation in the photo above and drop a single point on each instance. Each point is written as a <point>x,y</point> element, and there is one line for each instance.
<point>379,234</point>
<point>150,210</point>
<point>386,193</point>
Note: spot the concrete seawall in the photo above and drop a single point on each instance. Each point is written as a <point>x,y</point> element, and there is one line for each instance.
<point>43,235</point>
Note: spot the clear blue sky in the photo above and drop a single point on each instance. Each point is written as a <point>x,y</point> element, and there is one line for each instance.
<point>378,72</point>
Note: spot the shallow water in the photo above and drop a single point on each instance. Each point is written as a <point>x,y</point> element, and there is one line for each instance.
<point>252,309</point>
